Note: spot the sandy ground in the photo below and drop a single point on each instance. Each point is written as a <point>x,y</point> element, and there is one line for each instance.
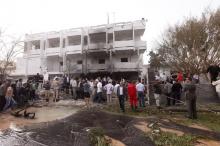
<point>51,112</point>
<point>66,123</point>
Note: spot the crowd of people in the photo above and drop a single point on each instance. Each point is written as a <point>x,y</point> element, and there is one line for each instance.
<point>99,90</point>
<point>104,90</point>
<point>182,85</point>
<point>16,93</point>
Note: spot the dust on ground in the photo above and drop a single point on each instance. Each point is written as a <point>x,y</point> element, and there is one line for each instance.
<point>72,126</point>
<point>205,142</point>
<point>50,112</point>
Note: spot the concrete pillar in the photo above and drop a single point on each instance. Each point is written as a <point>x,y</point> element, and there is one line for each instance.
<point>46,43</point>
<point>27,57</point>
<point>26,66</point>
<point>64,62</point>
<point>83,49</point>
<point>29,46</point>
<point>113,40</point>
<point>61,43</point>
<point>133,35</point>
<point>84,55</point>
<point>42,66</point>
<point>88,38</point>
<point>113,46</point>
<point>63,51</point>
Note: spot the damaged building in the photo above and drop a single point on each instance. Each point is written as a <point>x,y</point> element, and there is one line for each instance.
<point>112,49</point>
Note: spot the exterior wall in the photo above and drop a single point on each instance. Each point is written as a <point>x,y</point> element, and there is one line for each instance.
<point>58,52</point>
<point>20,69</point>
<point>53,64</point>
<point>93,63</point>
<point>131,65</point>
<point>72,64</point>
<point>33,66</point>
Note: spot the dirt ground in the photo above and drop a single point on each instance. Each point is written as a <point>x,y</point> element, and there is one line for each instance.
<point>51,112</point>
<point>62,124</point>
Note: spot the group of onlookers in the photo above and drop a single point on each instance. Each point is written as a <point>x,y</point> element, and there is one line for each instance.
<point>99,90</point>
<point>17,93</point>
<point>173,88</point>
<point>103,90</point>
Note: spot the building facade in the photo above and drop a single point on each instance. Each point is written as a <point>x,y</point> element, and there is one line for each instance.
<point>105,49</point>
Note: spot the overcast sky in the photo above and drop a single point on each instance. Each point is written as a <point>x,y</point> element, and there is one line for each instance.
<point>31,16</point>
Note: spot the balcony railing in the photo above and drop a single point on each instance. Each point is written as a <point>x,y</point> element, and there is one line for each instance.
<point>77,68</point>
<point>126,65</point>
<point>52,51</point>
<point>119,44</point>
<point>73,49</point>
<point>140,43</point>
<point>94,46</point>
<point>97,67</point>
<point>34,52</point>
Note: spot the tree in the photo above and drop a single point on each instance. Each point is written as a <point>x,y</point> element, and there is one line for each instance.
<point>193,45</point>
<point>155,60</point>
<point>10,47</point>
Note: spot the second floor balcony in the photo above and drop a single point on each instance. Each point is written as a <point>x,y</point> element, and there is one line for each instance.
<point>52,51</point>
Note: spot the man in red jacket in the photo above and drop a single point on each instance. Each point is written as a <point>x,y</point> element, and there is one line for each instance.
<point>132,93</point>
<point>180,77</point>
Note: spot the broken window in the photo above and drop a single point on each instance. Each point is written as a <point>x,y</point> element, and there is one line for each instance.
<point>124,59</point>
<point>138,33</point>
<point>110,37</point>
<point>85,40</point>
<point>98,37</point>
<point>61,63</point>
<point>79,62</point>
<point>74,40</point>
<point>35,44</point>
<point>44,44</point>
<point>54,42</point>
<point>123,35</point>
<point>64,43</point>
<point>101,61</point>
<point>25,46</point>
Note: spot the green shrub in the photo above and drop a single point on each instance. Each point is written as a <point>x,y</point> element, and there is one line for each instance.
<point>97,137</point>
<point>170,139</point>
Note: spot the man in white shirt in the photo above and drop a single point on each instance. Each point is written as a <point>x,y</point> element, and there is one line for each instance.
<point>164,77</point>
<point>109,88</point>
<point>73,84</point>
<point>99,91</point>
<point>140,91</point>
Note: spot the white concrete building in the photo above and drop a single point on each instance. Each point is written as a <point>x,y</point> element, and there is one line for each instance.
<point>106,49</point>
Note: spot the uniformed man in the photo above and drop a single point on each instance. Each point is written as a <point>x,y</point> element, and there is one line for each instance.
<point>190,94</point>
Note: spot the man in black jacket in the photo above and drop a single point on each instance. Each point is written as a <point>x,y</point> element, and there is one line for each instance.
<point>213,70</point>
<point>190,94</point>
<point>121,96</point>
<point>157,93</point>
<point>176,92</point>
